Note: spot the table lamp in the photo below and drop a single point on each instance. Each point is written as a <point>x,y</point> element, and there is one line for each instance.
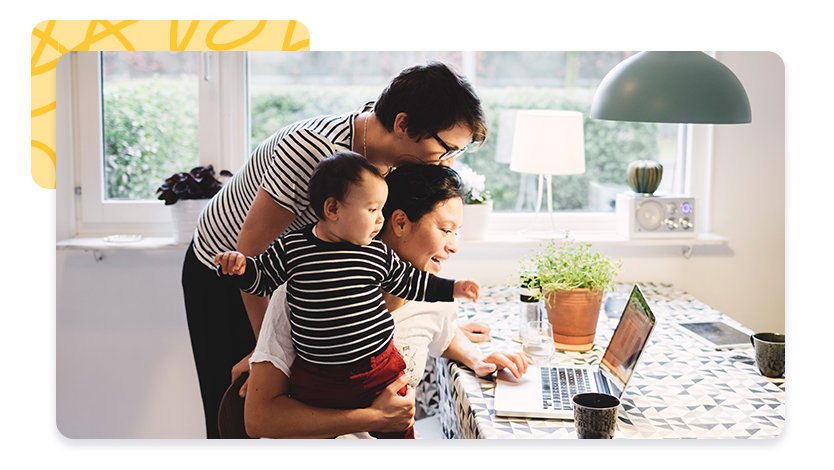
<point>547,143</point>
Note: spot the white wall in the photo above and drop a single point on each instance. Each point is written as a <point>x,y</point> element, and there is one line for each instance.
<point>749,201</point>
<point>123,357</point>
<point>124,366</point>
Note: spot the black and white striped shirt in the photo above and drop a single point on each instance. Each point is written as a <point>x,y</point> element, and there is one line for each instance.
<point>282,165</point>
<point>337,313</point>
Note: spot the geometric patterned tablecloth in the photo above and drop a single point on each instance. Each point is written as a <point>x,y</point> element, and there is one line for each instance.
<point>680,389</point>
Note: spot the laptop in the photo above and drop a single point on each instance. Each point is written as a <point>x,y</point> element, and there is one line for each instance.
<point>546,391</point>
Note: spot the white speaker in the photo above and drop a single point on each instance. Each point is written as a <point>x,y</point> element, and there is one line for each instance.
<point>650,216</point>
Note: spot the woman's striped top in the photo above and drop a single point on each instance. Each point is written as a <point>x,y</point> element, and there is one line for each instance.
<point>282,165</point>
<point>337,313</point>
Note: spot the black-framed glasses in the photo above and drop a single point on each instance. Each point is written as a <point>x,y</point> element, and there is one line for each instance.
<point>450,152</point>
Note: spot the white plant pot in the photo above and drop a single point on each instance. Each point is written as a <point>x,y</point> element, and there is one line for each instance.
<point>475,221</point>
<point>184,214</point>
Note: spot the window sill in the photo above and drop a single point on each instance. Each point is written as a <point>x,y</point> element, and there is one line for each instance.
<point>493,240</point>
<point>99,243</point>
<point>601,238</point>
<point>505,243</point>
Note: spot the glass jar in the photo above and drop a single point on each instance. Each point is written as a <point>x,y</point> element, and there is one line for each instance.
<point>528,310</point>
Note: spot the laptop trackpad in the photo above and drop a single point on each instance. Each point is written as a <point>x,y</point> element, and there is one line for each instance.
<point>507,377</point>
<point>518,397</point>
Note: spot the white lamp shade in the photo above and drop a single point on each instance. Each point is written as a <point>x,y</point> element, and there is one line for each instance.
<point>548,142</point>
<point>506,130</point>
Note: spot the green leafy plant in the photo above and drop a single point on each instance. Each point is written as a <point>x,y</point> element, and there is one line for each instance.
<point>568,265</point>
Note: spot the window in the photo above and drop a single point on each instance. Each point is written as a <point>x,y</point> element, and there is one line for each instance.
<point>131,119</point>
<point>509,81</point>
<point>285,87</point>
<point>150,110</point>
<point>137,117</point>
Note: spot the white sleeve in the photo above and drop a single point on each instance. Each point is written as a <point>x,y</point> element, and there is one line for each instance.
<point>446,317</point>
<point>420,329</point>
<point>274,343</point>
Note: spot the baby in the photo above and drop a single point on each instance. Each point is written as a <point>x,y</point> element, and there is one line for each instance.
<point>334,269</point>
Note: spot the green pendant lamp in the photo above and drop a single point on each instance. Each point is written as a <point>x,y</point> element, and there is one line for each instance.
<point>673,87</point>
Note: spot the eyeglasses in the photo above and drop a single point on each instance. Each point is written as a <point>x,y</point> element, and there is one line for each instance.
<point>450,152</point>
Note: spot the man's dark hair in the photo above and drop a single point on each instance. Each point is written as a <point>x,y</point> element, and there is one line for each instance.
<point>416,189</point>
<point>434,98</point>
<point>334,175</point>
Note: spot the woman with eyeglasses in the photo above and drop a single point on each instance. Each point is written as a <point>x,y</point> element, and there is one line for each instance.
<point>427,114</point>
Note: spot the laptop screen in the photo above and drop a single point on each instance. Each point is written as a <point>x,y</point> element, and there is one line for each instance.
<point>628,340</point>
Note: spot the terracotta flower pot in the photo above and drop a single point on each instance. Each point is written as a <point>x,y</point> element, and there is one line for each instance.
<point>574,315</point>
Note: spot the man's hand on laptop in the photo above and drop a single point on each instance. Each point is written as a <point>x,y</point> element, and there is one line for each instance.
<point>515,362</point>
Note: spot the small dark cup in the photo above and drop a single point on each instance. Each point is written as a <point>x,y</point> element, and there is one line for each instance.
<point>595,415</point>
<point>770,353</point>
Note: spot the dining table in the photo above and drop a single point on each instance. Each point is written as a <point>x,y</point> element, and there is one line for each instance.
<point>682,387</point>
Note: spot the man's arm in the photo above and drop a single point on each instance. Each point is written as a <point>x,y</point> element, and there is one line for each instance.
<point>270,412</point>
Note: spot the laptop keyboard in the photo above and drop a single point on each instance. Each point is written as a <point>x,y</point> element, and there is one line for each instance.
<point>560,384</point>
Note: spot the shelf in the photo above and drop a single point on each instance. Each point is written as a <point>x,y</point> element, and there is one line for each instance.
<point>505,242</point>
<point>99,243</point>
<point>494,240</point>
<point>598,239</point>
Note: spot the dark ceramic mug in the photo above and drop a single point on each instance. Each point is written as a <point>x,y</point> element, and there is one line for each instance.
<point>595,415</point>
<point>770,353</point>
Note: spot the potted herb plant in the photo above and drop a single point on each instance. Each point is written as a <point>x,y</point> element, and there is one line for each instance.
<point>188,193</point>
<point>477,204</point>
<point>571,277</point>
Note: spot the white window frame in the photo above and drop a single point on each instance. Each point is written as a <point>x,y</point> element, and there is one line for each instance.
<point>690,178</point>
<point>222,143</point>
<point>223,136</point>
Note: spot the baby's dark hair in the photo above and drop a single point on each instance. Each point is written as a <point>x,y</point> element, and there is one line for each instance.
<point>417,189</point>
<point>334,175</point>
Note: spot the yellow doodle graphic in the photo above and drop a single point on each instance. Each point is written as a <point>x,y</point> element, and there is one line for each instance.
<point>213,32</point>
<point>109,29</point>
<point>52,39</point>
<point>176,43</point>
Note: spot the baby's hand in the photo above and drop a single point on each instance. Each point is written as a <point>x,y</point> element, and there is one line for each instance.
<point>467,290</point>
<point>231,262</point>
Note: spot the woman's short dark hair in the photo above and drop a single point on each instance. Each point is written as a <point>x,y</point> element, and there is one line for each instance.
<point>434,98</point>
<point>416,189</point>
<point>334,175</point>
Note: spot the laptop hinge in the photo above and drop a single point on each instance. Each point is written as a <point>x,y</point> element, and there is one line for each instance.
<point>611,384</point>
